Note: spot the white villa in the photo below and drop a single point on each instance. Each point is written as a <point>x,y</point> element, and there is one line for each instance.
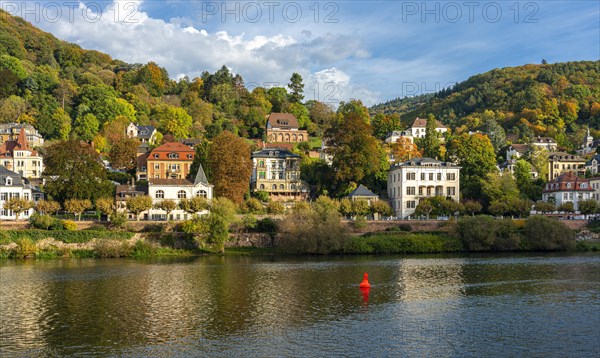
<point>418,178</point>
<point>566,188</point>
<point>12,185</point>
<point>176,189</point>
<point>418,128</point>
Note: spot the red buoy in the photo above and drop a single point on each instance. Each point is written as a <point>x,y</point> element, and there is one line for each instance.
<point>365,282</point>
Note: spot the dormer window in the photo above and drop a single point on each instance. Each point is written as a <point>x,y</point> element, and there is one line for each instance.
<point>173,156</point>
<point>568,185</point>
<point>9,181</point>
<point>189,156</point>
<point>156,156</point>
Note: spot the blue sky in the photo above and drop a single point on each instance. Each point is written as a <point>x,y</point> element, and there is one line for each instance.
<point>373,51</point>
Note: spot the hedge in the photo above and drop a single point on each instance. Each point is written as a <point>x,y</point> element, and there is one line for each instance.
<point>8,236</point>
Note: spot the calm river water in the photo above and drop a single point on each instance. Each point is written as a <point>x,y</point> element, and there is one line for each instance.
<point>540,305</point>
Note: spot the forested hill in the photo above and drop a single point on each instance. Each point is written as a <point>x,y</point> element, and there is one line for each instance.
<point>65,92</point>
<point>558,100</point>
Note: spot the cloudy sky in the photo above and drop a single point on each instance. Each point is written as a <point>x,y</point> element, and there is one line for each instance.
<point>373,51</point>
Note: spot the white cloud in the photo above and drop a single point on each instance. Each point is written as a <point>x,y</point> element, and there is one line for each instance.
<point>129,34</point>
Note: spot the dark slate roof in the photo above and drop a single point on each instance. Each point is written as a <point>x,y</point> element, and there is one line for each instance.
<point>362,191</point>
<point>274,153</point>
<point>145,131</point>
<point>201,177</point>
<point>17,180</point>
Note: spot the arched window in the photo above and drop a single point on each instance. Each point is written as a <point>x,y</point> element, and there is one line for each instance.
<point>293,186</point>
<point>181,194</point>
<point>281,186</point>
<point>300,138</point>
<point>201,193</point>
<point>294,138</point>
<point>287,137</point>
<point>262,187</point>
<point>160,194</point>
<point>274,186</point>
<point>280,137</point>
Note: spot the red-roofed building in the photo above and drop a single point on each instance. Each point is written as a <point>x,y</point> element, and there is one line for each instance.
<point>169,161</point>
<point>284,128</point>
<point>567,188</point>
<point>18,156</point>
<point>417,130</point>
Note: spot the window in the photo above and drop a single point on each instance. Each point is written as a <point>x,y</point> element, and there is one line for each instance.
<point>293,186</point>
<point>26,196</point>
<point>430,176</point>
<point>420,191</point>
<point>411,176</point>
<point>156,155</point>
<point>423,176</point>
<point>274,186</point>
<point>156,166</point>
<point>173,156</point>
<point>3,196</point>
<point>410,190</point>
<point>451,176</point>
<point>568,185</point>
<point>450,191</point>
<point>411,204</point>
<point>201,193</point>
<point>189,156</point>
<point>428,191</point>
<point>181,194</point>
<point>281,187</point>
<point>261,175</point>
<point>439,176</point>
<point>160,194</point>
<point>262,187</point>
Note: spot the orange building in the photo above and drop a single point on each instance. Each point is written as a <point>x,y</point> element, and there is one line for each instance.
<point>283,128</point>
<point>169,161</point>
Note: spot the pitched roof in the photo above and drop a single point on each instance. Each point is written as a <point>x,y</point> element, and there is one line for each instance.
<point>162,152</point>
<point>362,191</point>
<point>565,157</point>
<point>521,148</point>
<point>545,140</point>
<point>568,182</point>
<point>282,120</point>
<point>422,123</point>
<point>22,141</point>
<point>170,182</point>
<point>145,131</point>
<point>17,180</point>
<point>274,153</point>
<point>201,176</point>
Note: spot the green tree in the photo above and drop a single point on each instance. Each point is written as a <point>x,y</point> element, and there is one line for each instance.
<point>222,215</point>
<point>138,204</point>
<point>545,207</point>
<point>47,207</point>
<point>296,88</point>
<point>498,208</point>
<point>538,157</point>
<point>74,172</point>
<point>382,208</point>
<point>384,124</point>
<point>499,187</point>
<point>475,154</point>
<point>86,127</point>
<point>494,131</point>
<point>472,207</point>
<point>424,208</point>
<point>77,206</point>
<point>431,142</point>
<point>278,97</point>
<point>230,166</point>
<point>566,207</point>
<point>194,205</point>
<point>17,206</point>
<point>174,120</point>
<point>355,152</point>
<point>167,205</point>
<point>354,108</point>
<point>588,207</point>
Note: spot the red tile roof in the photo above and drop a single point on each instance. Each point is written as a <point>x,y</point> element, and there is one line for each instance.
<point>422,123</point>
<point>282,120</point>
<point>568,182</point>
<point>162,152</point>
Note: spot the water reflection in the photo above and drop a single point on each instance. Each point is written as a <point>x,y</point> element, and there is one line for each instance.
<point>281,307</point>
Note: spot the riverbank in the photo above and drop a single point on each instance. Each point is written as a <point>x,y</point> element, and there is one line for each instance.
<point>470,234</point>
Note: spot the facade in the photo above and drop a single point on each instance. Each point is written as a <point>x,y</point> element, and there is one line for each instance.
<point>568,188</point>
<point>395,135</point>
<point>169,161</point>
<point>177,189</point>
<point>592,165</point>
<point>12,185</point>
<point>277,172</point>
<point>284,128</point>
<point>595,184</point>
<point>417,130</point>
<point>516,151</point>
<point>547,143</point>
<point>146,134</point>
<point>589,145</point>
<point>418,178</point>
<point>561,162</point>
<point>11,131</point>
<point>18,155</point>
<point>363,193</point>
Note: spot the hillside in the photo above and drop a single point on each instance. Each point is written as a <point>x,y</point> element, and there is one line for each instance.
<point>558,100</point>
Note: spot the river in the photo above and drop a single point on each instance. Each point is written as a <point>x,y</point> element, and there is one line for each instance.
<point>442,306</point>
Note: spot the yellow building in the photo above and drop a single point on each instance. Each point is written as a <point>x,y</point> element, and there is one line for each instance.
<point>561,162</point>
<point>169,161</point>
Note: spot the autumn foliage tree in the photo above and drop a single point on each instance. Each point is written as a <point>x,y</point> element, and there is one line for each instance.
<point>230,166</point>
<point>17,205</point>
<point>404,149</point>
